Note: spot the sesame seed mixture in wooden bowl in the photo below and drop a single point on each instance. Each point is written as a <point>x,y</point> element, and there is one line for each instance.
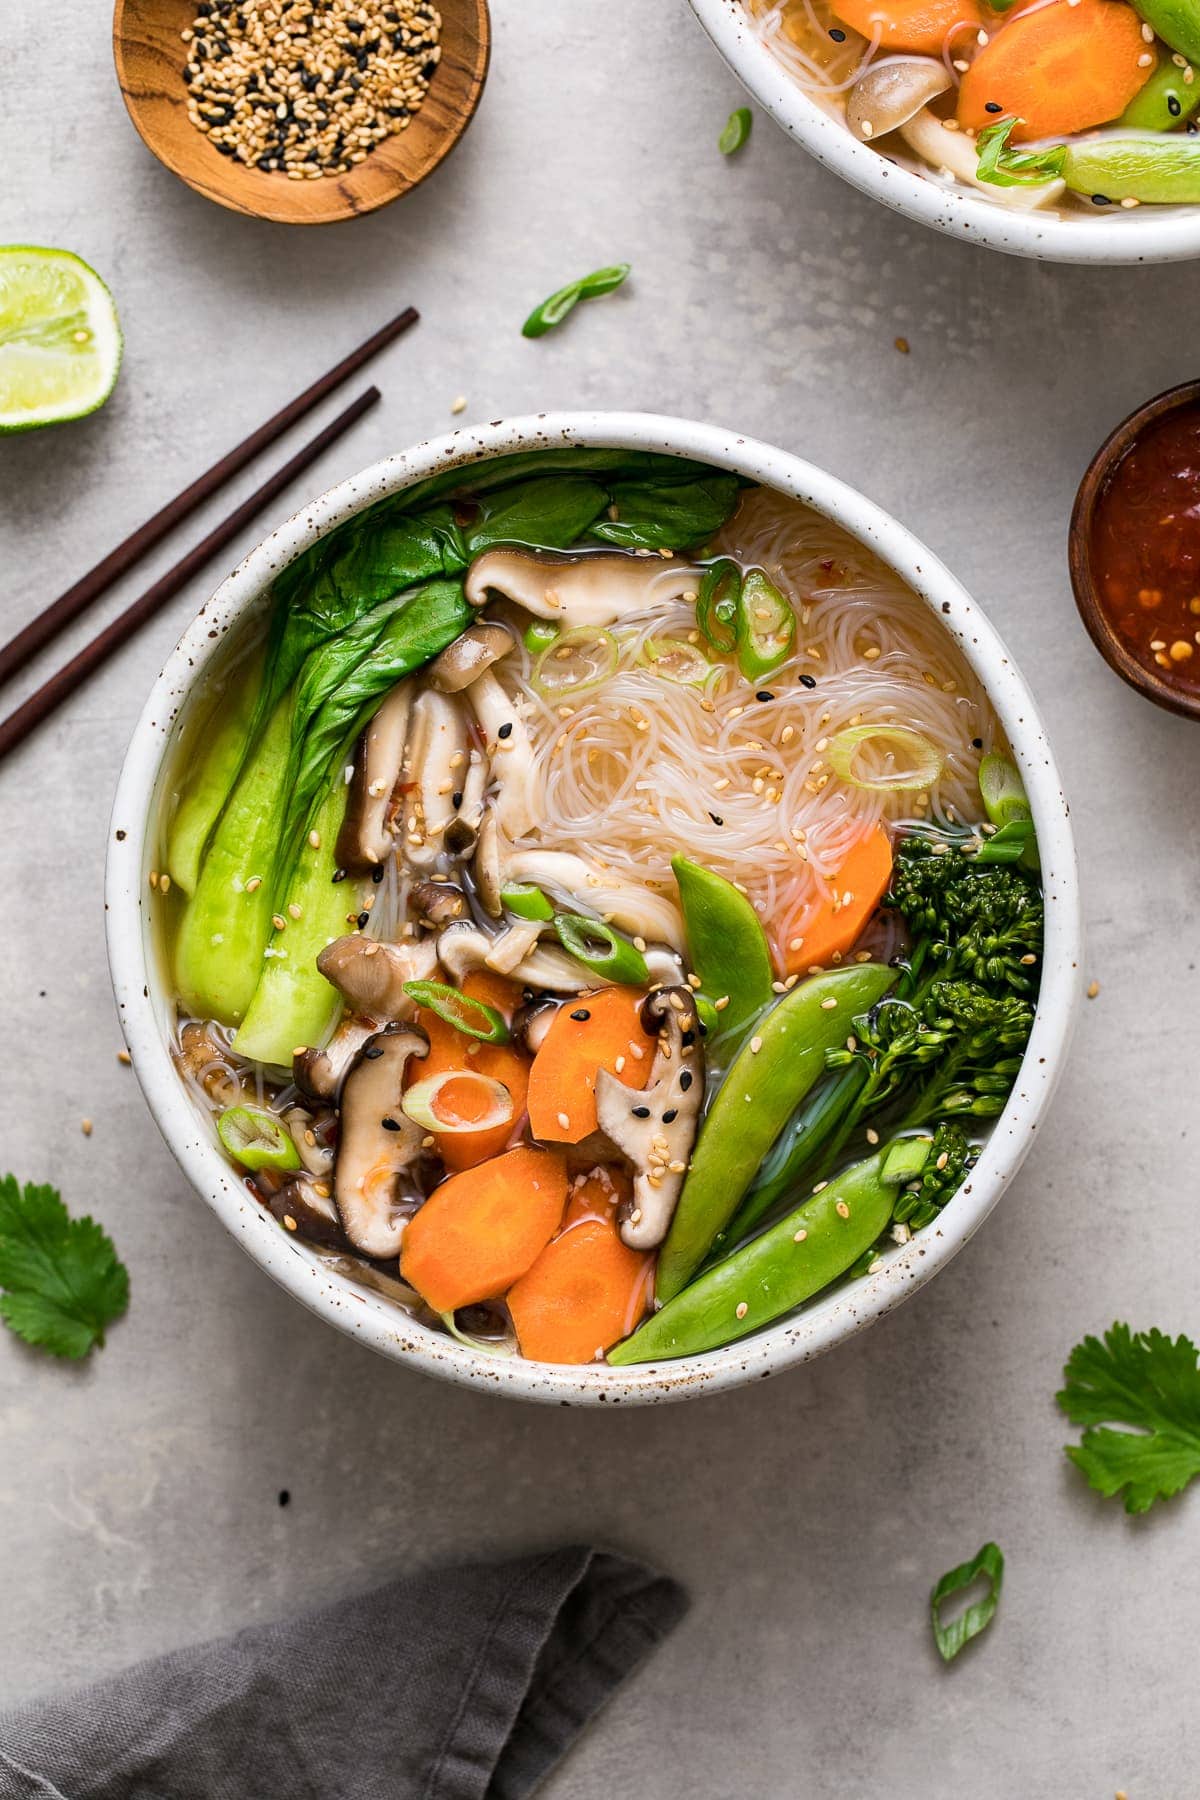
<point>301,111</point>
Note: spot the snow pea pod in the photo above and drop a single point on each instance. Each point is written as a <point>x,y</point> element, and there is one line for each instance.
<point>726,943</point>
<point>1165,102</point>
<point>1177,23</point>
<point>1156,169</point>
<point>773,1273</point>
<point>768,1078</point>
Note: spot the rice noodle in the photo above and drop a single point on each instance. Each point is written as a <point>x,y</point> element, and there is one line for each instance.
<point>643,768</point>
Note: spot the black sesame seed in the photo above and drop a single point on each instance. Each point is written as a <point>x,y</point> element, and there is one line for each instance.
<point>363,917</point>
<point>457,799</point>
<point>808,681</point>
<point>581,1013</point>
<point>505,731</point>
<point>390,1124</point>
<point>670,1116</point>
<point>685,1079</point>
<point>992,106</point>
<point>977,743</point>
<point>377,874</point>
<point>1173,106</point>
<point>716,818</point>
<point>641,1112</point>
<point>839,37</point>
<point>284,1496</point>
<point>764,694</point>
<point>1101,200</point>
<point>688,1038</point>
<point>372,1051</point>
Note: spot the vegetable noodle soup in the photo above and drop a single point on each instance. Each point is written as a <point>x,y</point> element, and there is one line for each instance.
<point>1067,104</point>
<point>601,905</point>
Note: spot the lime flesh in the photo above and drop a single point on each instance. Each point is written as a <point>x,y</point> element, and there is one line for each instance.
<point>60,342</point>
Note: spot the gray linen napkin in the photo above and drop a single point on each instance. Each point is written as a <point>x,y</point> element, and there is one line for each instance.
<point>453,1684</point>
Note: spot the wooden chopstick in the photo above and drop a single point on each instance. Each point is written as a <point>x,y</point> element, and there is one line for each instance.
<point>17,727</point>
<point>17,652</point>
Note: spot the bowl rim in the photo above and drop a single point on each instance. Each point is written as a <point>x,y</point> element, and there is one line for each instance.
<point>1097,475</point>
<point>140,993</point>
<point>1145,234</point>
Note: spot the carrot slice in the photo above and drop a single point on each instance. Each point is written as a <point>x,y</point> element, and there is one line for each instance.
<point>597,1195</point>
<point>585,1291</point>
<point>914,24</point>
<point>593,1032</point>
<point>479,1231</point>
<point>450,1049</point>
<point>832,926</point>
<point>1059,70</point>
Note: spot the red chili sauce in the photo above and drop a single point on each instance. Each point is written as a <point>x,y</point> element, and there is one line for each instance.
<point>1145,548</point>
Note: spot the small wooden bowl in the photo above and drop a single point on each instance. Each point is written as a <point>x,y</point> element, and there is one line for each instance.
<point>150,55</point>
<point>1099,472</point>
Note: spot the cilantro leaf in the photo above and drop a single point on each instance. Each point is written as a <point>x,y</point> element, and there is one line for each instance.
<point>64,1282</point>
<point>1146,1380</point>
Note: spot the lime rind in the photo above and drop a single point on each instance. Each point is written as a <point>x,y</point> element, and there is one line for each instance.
<point>60,339</point>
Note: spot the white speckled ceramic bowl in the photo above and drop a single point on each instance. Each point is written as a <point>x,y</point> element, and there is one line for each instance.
<point>1146,234</point>
<point>145,1005</point>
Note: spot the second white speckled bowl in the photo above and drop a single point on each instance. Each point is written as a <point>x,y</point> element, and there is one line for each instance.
<point>146,1007</point>
<point>1145,234</point>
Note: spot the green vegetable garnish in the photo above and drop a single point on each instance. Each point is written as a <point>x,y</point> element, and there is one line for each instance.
<point>766,627</point>
<point>62,1279</point>
<point>257,1139</point>
<point>526,900</point>
<point>1141,1379</point>
<point>1157,170</point>
<point>553,311</point>
<point>539,636</point>
<point>726,944</point>
<point>601,949</point>
<point>735,131</point>
<point>978,1616</point>
<point>717,605</point>
<point>473,1017</point>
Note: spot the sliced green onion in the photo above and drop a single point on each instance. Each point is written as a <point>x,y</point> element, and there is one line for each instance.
<point>420,1103</point>
<point>951,1638</point>
<point>1002,790</point>
<point>678,661</point>
<point>766,627</point>
<point>904,1160</point>
<point>473,1017</point>
<point>257,1139</point>
<point>924,760</point>
<point>1014,842</point>
<point>526,900</point>
<point>736,131</point>
<point>539,635</point>
<point>553,311</point>
<point>717,605</point>
<point>1007,806</point>
<point>505,1346</point>
<point>601,949</point>
<point>575,663</point>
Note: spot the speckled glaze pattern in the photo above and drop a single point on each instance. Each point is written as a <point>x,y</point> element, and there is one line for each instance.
<point>145,1007</point>
<point>1147,234</point>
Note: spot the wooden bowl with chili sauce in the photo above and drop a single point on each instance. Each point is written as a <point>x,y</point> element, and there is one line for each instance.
<point>1134,550</point>
<point>151,56</point>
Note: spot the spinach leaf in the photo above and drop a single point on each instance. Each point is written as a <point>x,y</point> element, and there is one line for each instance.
<point>550,512</point>
<point>414,633</point>
<point>652,516</point>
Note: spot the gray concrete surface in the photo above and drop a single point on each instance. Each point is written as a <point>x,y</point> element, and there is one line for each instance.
<point>138,1494</point>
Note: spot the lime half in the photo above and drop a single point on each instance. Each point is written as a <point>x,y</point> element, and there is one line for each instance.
<point>60,342</point>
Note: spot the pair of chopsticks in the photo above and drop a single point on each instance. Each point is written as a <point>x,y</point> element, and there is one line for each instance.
<point>17,652</point>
